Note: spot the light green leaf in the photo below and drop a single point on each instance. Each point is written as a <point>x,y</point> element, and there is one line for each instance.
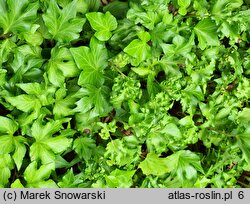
<point>64,106</point>
<point>6,47</point>
<point>119,154</point>
<point>17,184</point>
<point>7,145</point>
<point>34,175</point>
<point>25,103</point>
<point>94,99</point>
<point>206,32</point>
<point>45,146</point>
<point>138,50</point>
<point>43,184</point>
<point>243,117</point>
<point>142,71</point>
<point>184,164</point>
<point>84,147</point>
<point>120,179</point>
<point>17,16</point>
<point>223,6</point>
<point>172,130</point>
<point>31,88</point>
<point>6,165</point>
<point>61,65</point>
<point>244,143</point>
<point>41,132</point>
<point>20,150</point>
<point>39,152</point>
<point>63,25</point>
<point>103,24</point>
<point>58,144</point>
<point>184,4</point>
<point>153,165</point>
<point>7,125</point>
<point>92,61</point>
<point>19,154</point>
<point>69,180</point>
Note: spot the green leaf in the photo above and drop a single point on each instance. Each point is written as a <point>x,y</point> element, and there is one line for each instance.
<point>92,61</point>
<point>31,88</point>
<point>63,25</point>
<point>37,177</point>
<point>17,184</point>
<point>84,147</point>
<point>58,144</point>
<point>244,143</point>
<point>20,151</point>
<point>6,47</point>
<point>153,165</point>
<point>103,24</point>
<point>39,152</point>
<point>45,146</point>
<point>184,4</point>
<point>206,32</point>
<point>69,180</point>
<point>7,125</point>
<point>184,164</point>
<point>41,132</point>
<point>64,106</point>
<point>119,154</point>
<point>120,179</point>
<point>138,50</point>
<point>6,165</point>
<point>94,100</point>
<point>61,65</point>
<point>243,117</point>
<point>17,16</point>
<point>7,145</point>
<point>25,103</point>
<point>223,6</point>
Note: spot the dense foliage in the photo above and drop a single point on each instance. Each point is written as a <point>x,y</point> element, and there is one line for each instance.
<point>137,93</point>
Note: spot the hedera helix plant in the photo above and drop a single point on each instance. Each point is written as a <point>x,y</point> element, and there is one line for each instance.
<point>136,93</point>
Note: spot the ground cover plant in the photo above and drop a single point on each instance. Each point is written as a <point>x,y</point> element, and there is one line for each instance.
<point>137,93</point>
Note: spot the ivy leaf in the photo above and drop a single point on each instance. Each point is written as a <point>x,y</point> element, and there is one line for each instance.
<point>6,47</point>
<point>17,16</point>
<point>84,147</point>
<point>37,177</point>
<point>20,151</point>
<point>25,103</point>
<point>63,25</point>
<point>17,184</point>
<point>6,165</point>
<point>184,164</point>
<point>120,179</point>
<point>184,4</point>
<point>69,180</point>
<point>103,24</point>
<point>224,6</point>
<point>92,61</point>
<point>64,106</point>
<point>119,154</point>
<point>45,146</point>
<point>206,33</point>
<point>94,99</point>
<point>31,88</point>
<point>244,143</point>
<point>139,51</point>
<point>7,125</point>
<point>60,66</point>
<point>6,143</point>
<point>153,165</point>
